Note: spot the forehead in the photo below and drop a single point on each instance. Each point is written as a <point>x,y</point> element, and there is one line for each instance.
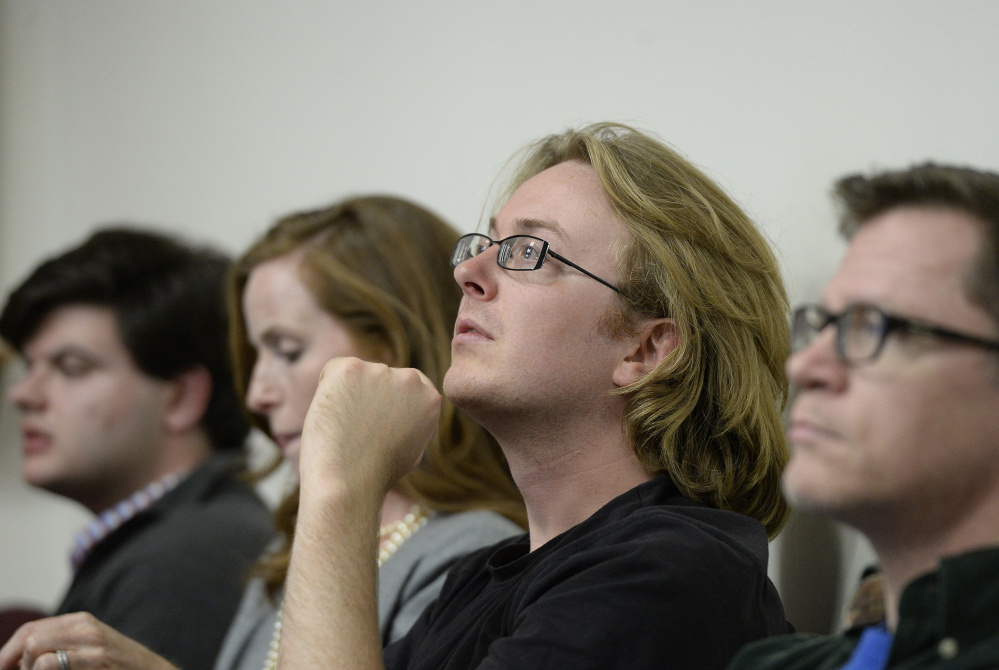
<point>566,204</point>
<point>274,290</point>
<point>914,261</point>
<point>83,326</point>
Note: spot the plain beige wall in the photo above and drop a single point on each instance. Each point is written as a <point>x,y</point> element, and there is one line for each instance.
<point>211,118</point>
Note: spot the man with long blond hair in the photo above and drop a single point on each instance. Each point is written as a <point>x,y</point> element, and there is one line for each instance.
<point>621,334</point>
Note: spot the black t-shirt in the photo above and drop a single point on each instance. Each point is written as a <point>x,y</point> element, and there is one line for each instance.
<point>651,580</point>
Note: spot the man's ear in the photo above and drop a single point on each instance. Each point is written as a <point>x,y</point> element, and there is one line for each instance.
<point>188,401</point>
<point>656,339</point>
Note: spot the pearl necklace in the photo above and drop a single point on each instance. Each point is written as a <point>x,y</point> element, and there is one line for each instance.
<point>390,539</point>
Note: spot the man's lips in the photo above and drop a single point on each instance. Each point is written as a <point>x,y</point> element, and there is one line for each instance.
<point>804,431</point>
<point>467,330</point>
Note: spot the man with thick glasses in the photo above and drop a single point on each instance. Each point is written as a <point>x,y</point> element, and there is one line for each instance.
<point>636,392</point>
<point>895,423</point>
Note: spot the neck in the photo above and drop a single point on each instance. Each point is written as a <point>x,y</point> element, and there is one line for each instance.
<point>177,453</point>
<point>184,452</point>
<point>910,548</point>
<point>567,474</point>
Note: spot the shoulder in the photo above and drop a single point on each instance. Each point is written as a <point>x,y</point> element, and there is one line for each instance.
<point>256,604</point>
<point>795,652</point>
<point>215,528</point>
<point>219,482</point>
<point>674,534</point>
<point>655,512</point>
<point>448,537</point>
<point>660,549</point>
<point>676,563</point>
<point>472,529</point>
<point>215,503</point>
<point>251,631</point>
<point>412,578</point>
<point>218,521</point>
<point>587,595</point>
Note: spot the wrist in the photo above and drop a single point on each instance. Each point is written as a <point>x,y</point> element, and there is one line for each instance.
<point>328,504</point>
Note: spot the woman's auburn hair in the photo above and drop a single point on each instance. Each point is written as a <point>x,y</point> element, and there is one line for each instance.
<point>379,265</point>
<point>711,413</point>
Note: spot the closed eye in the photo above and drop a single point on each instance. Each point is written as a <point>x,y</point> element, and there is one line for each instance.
<point>73,365</point>
<point>285,347</point>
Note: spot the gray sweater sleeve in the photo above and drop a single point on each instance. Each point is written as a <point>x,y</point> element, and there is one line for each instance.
<point>408,582</point>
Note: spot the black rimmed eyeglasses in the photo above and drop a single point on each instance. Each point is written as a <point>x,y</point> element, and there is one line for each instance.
<point>517,252</point>
<point>861,330</point>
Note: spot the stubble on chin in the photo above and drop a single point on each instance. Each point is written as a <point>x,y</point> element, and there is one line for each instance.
<point>815,492</point>
<point>455,387</point>
<point>798,493</point>
<point>470,394</point>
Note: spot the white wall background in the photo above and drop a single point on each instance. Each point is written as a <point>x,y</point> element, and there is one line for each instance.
<point>213,117</point>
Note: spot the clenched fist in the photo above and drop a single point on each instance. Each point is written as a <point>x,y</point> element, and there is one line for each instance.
<point>367,426</point>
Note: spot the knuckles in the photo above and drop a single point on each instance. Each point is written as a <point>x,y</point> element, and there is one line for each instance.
<point>76,630</point>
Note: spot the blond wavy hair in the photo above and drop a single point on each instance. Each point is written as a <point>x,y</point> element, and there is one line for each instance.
<point>710,414</point>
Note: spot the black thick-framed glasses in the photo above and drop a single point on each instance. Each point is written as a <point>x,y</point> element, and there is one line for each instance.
<point>861,330</point>
<point>518,252</point>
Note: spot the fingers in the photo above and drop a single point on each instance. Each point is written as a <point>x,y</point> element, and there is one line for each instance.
<point>46,661</point>
<point>33,646</point>
<point>88,645</point>
<point>24,646</point>
<point>368,421</point>
<point>10,652</point>
<point>76,659</point>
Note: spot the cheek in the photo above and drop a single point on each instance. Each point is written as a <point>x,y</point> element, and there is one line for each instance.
<point>90,409</point>
<point>298,406</point>
<point>874,429</point>
<point>303,387</point>
<point>932,426</point>
<point>573,327</point>
<point>112,412</point>
<point>905,429</point>
<point>133,406</point>
<point>97,428</point>
<point>848,451</point>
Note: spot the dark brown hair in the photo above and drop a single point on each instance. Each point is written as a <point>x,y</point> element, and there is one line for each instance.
<point>930,185</point>
<point>166,296</point>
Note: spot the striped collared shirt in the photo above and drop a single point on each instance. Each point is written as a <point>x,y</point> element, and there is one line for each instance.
<point>114,517</point>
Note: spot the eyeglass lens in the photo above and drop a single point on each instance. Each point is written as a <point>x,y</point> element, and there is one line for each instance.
<point>860,330</point>
<point>519,252</point>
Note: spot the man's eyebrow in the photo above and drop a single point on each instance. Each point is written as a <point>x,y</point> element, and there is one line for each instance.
<point>532,226</point>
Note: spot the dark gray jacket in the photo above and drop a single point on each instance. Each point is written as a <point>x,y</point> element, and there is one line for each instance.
<point>171,578</point>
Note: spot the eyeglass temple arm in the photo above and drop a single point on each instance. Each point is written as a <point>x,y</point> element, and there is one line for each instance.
<point>588,274</point>
<point>916,327</point>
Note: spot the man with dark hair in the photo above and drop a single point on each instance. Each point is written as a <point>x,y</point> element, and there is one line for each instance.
<point>129,409</point>
<point>896,419</point>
